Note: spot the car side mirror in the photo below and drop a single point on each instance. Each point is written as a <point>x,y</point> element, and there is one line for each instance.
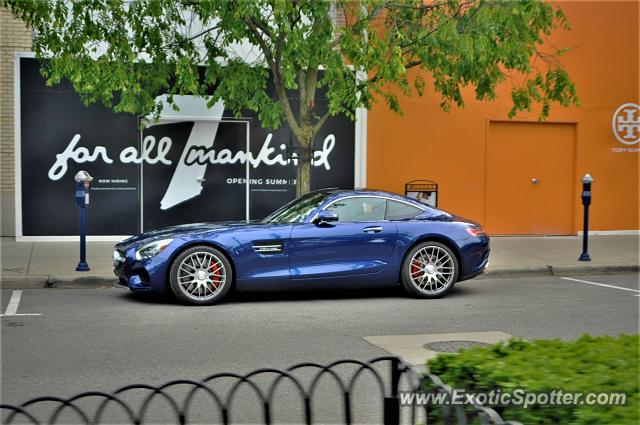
<point>326,216</point>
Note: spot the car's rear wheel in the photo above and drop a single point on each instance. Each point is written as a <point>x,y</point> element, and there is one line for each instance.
<point>430,269</point>
<point>200,275</point>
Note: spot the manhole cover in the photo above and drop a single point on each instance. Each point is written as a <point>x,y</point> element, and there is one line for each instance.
<point>452,346</point>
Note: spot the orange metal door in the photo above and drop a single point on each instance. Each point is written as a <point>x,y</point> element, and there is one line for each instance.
<point>530,168</point>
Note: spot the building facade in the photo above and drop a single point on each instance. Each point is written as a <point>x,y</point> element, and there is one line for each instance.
<point>14,37</point>
<point>522,176</point>
<point>516,176</point>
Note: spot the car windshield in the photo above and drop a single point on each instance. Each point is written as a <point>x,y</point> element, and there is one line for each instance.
<point>297,210</point>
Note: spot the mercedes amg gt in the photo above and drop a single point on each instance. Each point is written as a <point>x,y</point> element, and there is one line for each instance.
<point>327,236</point>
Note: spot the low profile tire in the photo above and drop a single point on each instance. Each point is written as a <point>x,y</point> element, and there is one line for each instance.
<point>200,275</point>
<point>429,270</point>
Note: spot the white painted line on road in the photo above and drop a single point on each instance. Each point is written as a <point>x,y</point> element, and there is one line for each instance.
<point>12,308</point>
<point>602,284</point>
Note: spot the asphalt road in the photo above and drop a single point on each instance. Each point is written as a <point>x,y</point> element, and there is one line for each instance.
<point>102,339</point>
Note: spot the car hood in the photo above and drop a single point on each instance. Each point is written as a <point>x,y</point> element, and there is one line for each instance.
<point>179,231</point>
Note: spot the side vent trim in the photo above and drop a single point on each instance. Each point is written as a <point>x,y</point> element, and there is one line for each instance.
<point>268,247</point>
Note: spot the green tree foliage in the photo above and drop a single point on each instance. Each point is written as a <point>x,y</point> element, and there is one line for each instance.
<point>601,364</point>
<point>125,53</point>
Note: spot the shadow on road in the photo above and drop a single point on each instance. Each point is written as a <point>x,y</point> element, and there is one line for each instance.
<point>295,294</point>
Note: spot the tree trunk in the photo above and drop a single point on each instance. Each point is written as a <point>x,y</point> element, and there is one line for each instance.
<point>304,176</point>
<point>306,129</point>
<point>305,140</point>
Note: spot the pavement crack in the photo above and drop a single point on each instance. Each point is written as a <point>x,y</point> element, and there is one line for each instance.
<point>30,257</point>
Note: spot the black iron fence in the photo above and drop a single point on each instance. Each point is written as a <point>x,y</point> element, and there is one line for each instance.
<point>389,379</point>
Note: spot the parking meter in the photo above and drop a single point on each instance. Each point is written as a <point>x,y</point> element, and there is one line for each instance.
<point>586,201</point>
<point>586,189</point>
<point>83,185</point>
<point>82,191</point>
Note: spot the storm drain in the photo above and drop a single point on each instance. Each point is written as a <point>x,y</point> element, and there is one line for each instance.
<point>452,346</point>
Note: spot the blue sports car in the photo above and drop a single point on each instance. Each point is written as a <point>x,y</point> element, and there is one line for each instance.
<point>330,235</point>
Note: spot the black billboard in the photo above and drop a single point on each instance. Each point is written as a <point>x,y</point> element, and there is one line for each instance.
<point>59,137</point>
<point>169,173</point>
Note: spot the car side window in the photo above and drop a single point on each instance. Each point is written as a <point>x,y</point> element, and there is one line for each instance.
<point>400,211</point>
<point>359,209</point>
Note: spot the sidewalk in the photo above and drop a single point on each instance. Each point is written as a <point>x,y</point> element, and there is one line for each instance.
<point>40,264</point>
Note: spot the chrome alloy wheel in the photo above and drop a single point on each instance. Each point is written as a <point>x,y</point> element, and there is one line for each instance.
<point>201,276</point>
<point>432,270</point>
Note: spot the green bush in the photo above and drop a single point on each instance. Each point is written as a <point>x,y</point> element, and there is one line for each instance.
<point>589,364</point>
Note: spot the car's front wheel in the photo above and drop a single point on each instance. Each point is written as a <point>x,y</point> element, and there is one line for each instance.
<point>200,275</point>
<point>429,270</point>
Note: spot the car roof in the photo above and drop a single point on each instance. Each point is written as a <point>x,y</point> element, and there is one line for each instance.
<point>339,190</point>
<point>336,193</point>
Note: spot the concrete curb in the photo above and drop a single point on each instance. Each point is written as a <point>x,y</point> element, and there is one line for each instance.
<point>498,272</point>
<point>558,270</point>
<point>75,282</point>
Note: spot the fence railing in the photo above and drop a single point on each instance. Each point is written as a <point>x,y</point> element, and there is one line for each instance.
<point>134,403</point>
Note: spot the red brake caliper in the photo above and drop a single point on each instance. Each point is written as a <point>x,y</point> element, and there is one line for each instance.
<point>415,267</point>
<point>215,269</point>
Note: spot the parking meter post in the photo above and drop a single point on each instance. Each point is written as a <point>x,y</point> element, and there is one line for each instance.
<point>586,201</point>
<point>82,265</point>
<point>83,182</point>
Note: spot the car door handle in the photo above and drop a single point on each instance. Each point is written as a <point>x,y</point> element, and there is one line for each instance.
<point>372,229</point>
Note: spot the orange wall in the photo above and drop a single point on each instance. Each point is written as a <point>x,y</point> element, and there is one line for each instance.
<point>449,148</point>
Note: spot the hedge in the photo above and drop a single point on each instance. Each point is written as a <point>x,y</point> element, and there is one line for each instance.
<point>589,364</point>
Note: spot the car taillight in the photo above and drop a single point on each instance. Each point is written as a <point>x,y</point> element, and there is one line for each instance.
<point>476,231</point>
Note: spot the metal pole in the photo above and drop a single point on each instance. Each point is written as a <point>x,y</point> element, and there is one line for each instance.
<point>247,191</point>
<point>83,182</point>
<point>585,236</point>
<point>586,201</point>
<point>82,265</point>
<point>391,407</point>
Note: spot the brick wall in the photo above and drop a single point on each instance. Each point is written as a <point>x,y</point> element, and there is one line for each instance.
<point>14,36</point>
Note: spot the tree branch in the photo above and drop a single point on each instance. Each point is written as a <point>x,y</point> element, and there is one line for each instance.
<point>302,87</point>
<point>411,53</point>
<point>317,126</point>
<point>262,26</point>
<point>281,91</point>
<point>186,40</point>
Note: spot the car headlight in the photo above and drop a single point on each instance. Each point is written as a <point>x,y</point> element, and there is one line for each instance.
<point>118,257</point>
<point>152,249</point>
